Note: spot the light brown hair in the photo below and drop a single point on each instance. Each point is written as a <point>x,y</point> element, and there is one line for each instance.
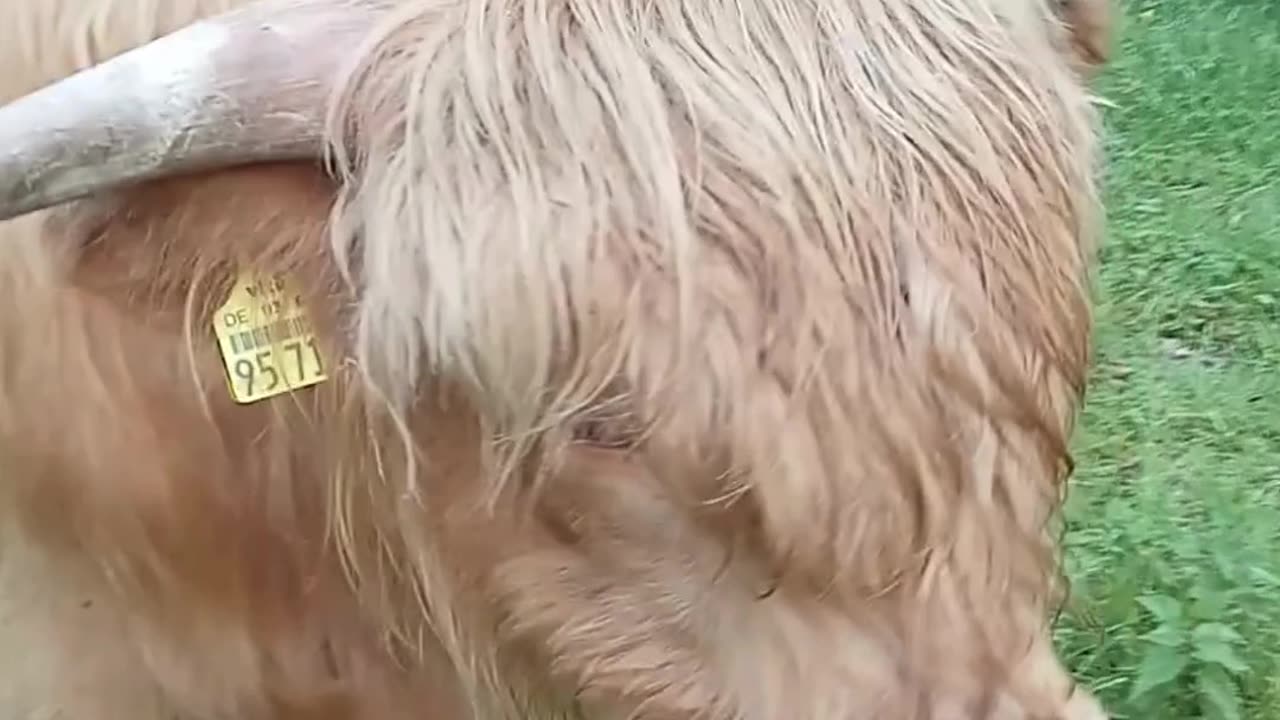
<point>691,360</point>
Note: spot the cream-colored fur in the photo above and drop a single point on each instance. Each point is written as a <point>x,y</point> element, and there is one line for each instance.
<point>44,40</point>
<point>64,652</point>
<point>690,360</point>
<point>826,264</point>
<point>64,648</point>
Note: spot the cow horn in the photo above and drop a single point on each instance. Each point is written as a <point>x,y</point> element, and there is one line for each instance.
<point>251,85</point>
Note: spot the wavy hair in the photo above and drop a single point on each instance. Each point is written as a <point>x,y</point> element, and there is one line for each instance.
<point>691,359</point>
<point>815,275</point>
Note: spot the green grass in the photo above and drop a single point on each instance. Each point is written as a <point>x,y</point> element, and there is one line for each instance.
<point>1173,544</point>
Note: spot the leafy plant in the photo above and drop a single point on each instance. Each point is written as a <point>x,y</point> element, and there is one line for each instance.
<point>1173,543</point>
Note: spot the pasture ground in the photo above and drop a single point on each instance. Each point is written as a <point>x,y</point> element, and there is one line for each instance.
<point>1173,543</point>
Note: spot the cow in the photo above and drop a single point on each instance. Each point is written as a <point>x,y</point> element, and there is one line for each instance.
<point>660,360</point>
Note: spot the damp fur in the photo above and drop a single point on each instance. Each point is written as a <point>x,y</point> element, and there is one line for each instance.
<point>681,369</point>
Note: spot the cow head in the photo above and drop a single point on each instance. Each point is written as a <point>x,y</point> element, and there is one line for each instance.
<point>638,364</point>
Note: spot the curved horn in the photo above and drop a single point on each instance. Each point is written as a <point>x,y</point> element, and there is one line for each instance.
<point>247,86</point>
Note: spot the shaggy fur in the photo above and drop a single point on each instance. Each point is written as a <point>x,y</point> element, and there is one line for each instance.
<point>829,294</point>
<point>700,360</point>
<point>44,40</point>
<point>64,651</point>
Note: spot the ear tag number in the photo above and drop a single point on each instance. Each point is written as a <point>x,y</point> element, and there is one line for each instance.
<point>266,338</point>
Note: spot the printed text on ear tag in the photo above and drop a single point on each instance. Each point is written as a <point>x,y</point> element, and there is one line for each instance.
<point>266,338</point>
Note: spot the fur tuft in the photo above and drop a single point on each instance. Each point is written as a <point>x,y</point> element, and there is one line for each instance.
<point>830,294</point>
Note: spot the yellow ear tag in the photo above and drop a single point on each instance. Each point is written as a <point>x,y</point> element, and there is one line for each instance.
<point>266,338</point>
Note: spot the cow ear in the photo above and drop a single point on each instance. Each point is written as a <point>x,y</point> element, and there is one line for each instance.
<point>1089,25</point>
